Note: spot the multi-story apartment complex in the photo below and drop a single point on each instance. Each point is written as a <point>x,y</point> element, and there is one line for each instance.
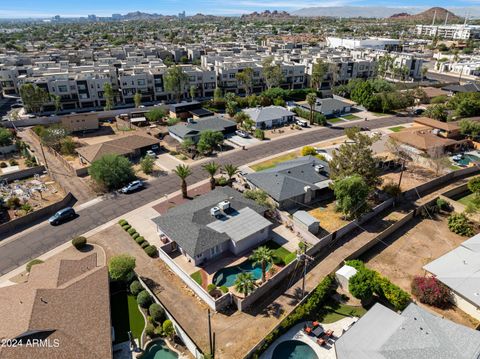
<point>453,32</point>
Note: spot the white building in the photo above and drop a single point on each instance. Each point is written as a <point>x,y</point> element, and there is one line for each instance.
<point>453,32</point>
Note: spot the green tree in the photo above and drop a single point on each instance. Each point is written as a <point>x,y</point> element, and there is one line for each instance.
<point>57,100</point>
<point>217,95</point>
<point>121,267</point>
<point>33,97</point>
<point>109,96</point>
<point>175,81</point>
<point>240,117</point>
<point>362,283</point>
<point>188,145</point>
<point>146,164</point>
<point>112,171</point>
<point>230,170</point>
<point>156,114</point>
<point>351,194</point>
<point>137,99</point>
<point>245,78</point>
<point>67,146</point>
<point>356,157</point>
<point>183,171</point>
<point>319,70</point>
<point>459,223</point>
<point>272,73</point>
<point>263,256</point>
<point>209,140</point>
<point>168,328</point>
<point>6,137</point>
<point>469,128</point>
<point>193,92</point>
<point>211,168</point>
<point>53,136</point>
<point>437,112</point>
<point>245,283</point>
<point>231,103</point>
<point>311,100</point>
<point>309,151</point>
<point>474,185</point>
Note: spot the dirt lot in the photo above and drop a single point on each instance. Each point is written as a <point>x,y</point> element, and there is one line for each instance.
<point>413,176</point>
<point>329,218</point>
<point>409,249</point>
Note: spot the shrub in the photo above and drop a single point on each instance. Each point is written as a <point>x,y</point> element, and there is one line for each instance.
<point>13,202</point>
<point>26,207</point>
<point>211,287</point>
<point>3,165</point>
<point>150,330</point>
<point>13,162</point>
<point>151,251</point>
<point>32,263</point>
<point>79,242</point>
<point>131,231</point>
<point>168,328</point>
<point>224,289</point>
<point>221,181</point>
<point>355,263</point>
<point>474,185</point>
<point>394,294</point>
<point>259,134</point>
<point>144,299</point>
<point>126,227</point>
<point>139,240</point>
<point>277,260</point>
<point>135,235</point>
<point>135,287</point>
<point>121,267</point>
<point>122,222</point>
<point>430,290</point>
<point>392,189</point>
<point>157,312</point>
<point>145,244</point>
<point>458,223</point>
<point>362,283</point>
<point>308,151</point>
<point>442,204</point>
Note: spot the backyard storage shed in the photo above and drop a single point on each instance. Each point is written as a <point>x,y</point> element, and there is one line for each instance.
<point>343,275</point>
<point>304,220</point>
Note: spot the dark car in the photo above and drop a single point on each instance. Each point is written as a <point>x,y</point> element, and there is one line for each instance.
<point>62,216</point>
<point>418,111</point>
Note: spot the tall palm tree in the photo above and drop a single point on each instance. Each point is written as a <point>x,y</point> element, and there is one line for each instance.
<point>311,100</point>
<point>262,255</point>
<point>230,170</point>
<point>245,283</point>
<point>183,171</point>
<point>211,168</point>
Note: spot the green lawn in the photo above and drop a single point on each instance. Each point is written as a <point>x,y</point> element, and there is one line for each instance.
<point>274,161</point>
<point>280,252</point>
<point>126,316</point>
<point>197,277</point>
<point>469,200</point>
<point>334,311</point>
<point>396,128</point>
<point>350,117</point>
<point>334,120</point>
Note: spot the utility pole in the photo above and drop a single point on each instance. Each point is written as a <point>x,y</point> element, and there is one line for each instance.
<point>305,258</point>
<point>210,337</point>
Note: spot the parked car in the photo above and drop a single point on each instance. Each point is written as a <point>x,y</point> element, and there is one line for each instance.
<point>151,153</point>
<point>302,123</point>
<point>132,187</point>
<point>62,216</point>
<point>324,153</point>
<point>418,111</point>
<point>241,133</point>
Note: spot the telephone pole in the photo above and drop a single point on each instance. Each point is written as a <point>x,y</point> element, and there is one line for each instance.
<point>305,258</point>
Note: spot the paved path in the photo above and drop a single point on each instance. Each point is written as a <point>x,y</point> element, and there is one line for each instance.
<point>32,244</point>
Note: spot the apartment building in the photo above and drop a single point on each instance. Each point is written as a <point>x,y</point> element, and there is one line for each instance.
<point>452,32</point>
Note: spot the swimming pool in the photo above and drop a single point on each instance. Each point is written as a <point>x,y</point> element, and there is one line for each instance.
<point>158,350</point>
<point>293,349</point>
<point>227,276</point>
<point>467,159</point>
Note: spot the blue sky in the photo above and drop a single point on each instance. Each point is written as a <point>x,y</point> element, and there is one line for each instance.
<point>46,8</point>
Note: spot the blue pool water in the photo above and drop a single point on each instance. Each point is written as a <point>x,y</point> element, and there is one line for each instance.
<point>158,350</point>
<point>227,276</point>
<point>467,159</point>
<point>293,349</point>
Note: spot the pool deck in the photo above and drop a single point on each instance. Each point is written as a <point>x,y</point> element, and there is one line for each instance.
<point>326,351</point>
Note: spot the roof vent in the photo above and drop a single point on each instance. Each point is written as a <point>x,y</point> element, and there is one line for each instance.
<point>224,205</point>
<point>319,168</point>
<point>215,211</point>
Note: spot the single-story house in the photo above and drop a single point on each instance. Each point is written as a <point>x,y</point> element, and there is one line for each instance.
<point>444,129</point>
<point>295,182</point>
<point>469,87</point>
<point>56,304</point>
<point>415,333</point>
<point>182,109</point>
<point>329,107</point>
<point>221,222</point>
<point>132,146</point>
<point>270,116</point>
<point>459,270</point>
<point>194,128</point>
<point>432,92</point>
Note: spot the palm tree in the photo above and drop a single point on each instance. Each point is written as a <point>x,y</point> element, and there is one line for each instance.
<point>262,255</point>
<point>231,171</point>
<point>211,168</point>
<point>245,283</point>
<point>183,171</point>
<point>311,100</point>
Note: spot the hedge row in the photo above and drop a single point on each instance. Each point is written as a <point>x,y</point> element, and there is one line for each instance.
<point>307,311</point>
<point>151,250</point>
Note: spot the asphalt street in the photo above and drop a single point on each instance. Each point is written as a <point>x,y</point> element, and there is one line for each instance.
<point>35,243</point>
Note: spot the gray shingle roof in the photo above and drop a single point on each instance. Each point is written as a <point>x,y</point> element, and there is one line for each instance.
<point>213,123</point>
<point>416,333</point>
<point>269,113</point>
<point>288,179</point>
<point>188,224</point>
<point>459,269</point>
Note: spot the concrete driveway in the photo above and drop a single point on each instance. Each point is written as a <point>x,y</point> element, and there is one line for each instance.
<point>240,141</point>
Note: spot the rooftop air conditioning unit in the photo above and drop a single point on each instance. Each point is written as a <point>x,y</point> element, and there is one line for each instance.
<point>224,205</point>
<point>319,168</point>
<point>215,211</point>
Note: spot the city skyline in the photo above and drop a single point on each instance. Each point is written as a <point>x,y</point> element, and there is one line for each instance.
<point>49,8</point>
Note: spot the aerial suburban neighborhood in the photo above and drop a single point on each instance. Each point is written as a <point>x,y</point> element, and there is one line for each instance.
<point>258,180</point>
